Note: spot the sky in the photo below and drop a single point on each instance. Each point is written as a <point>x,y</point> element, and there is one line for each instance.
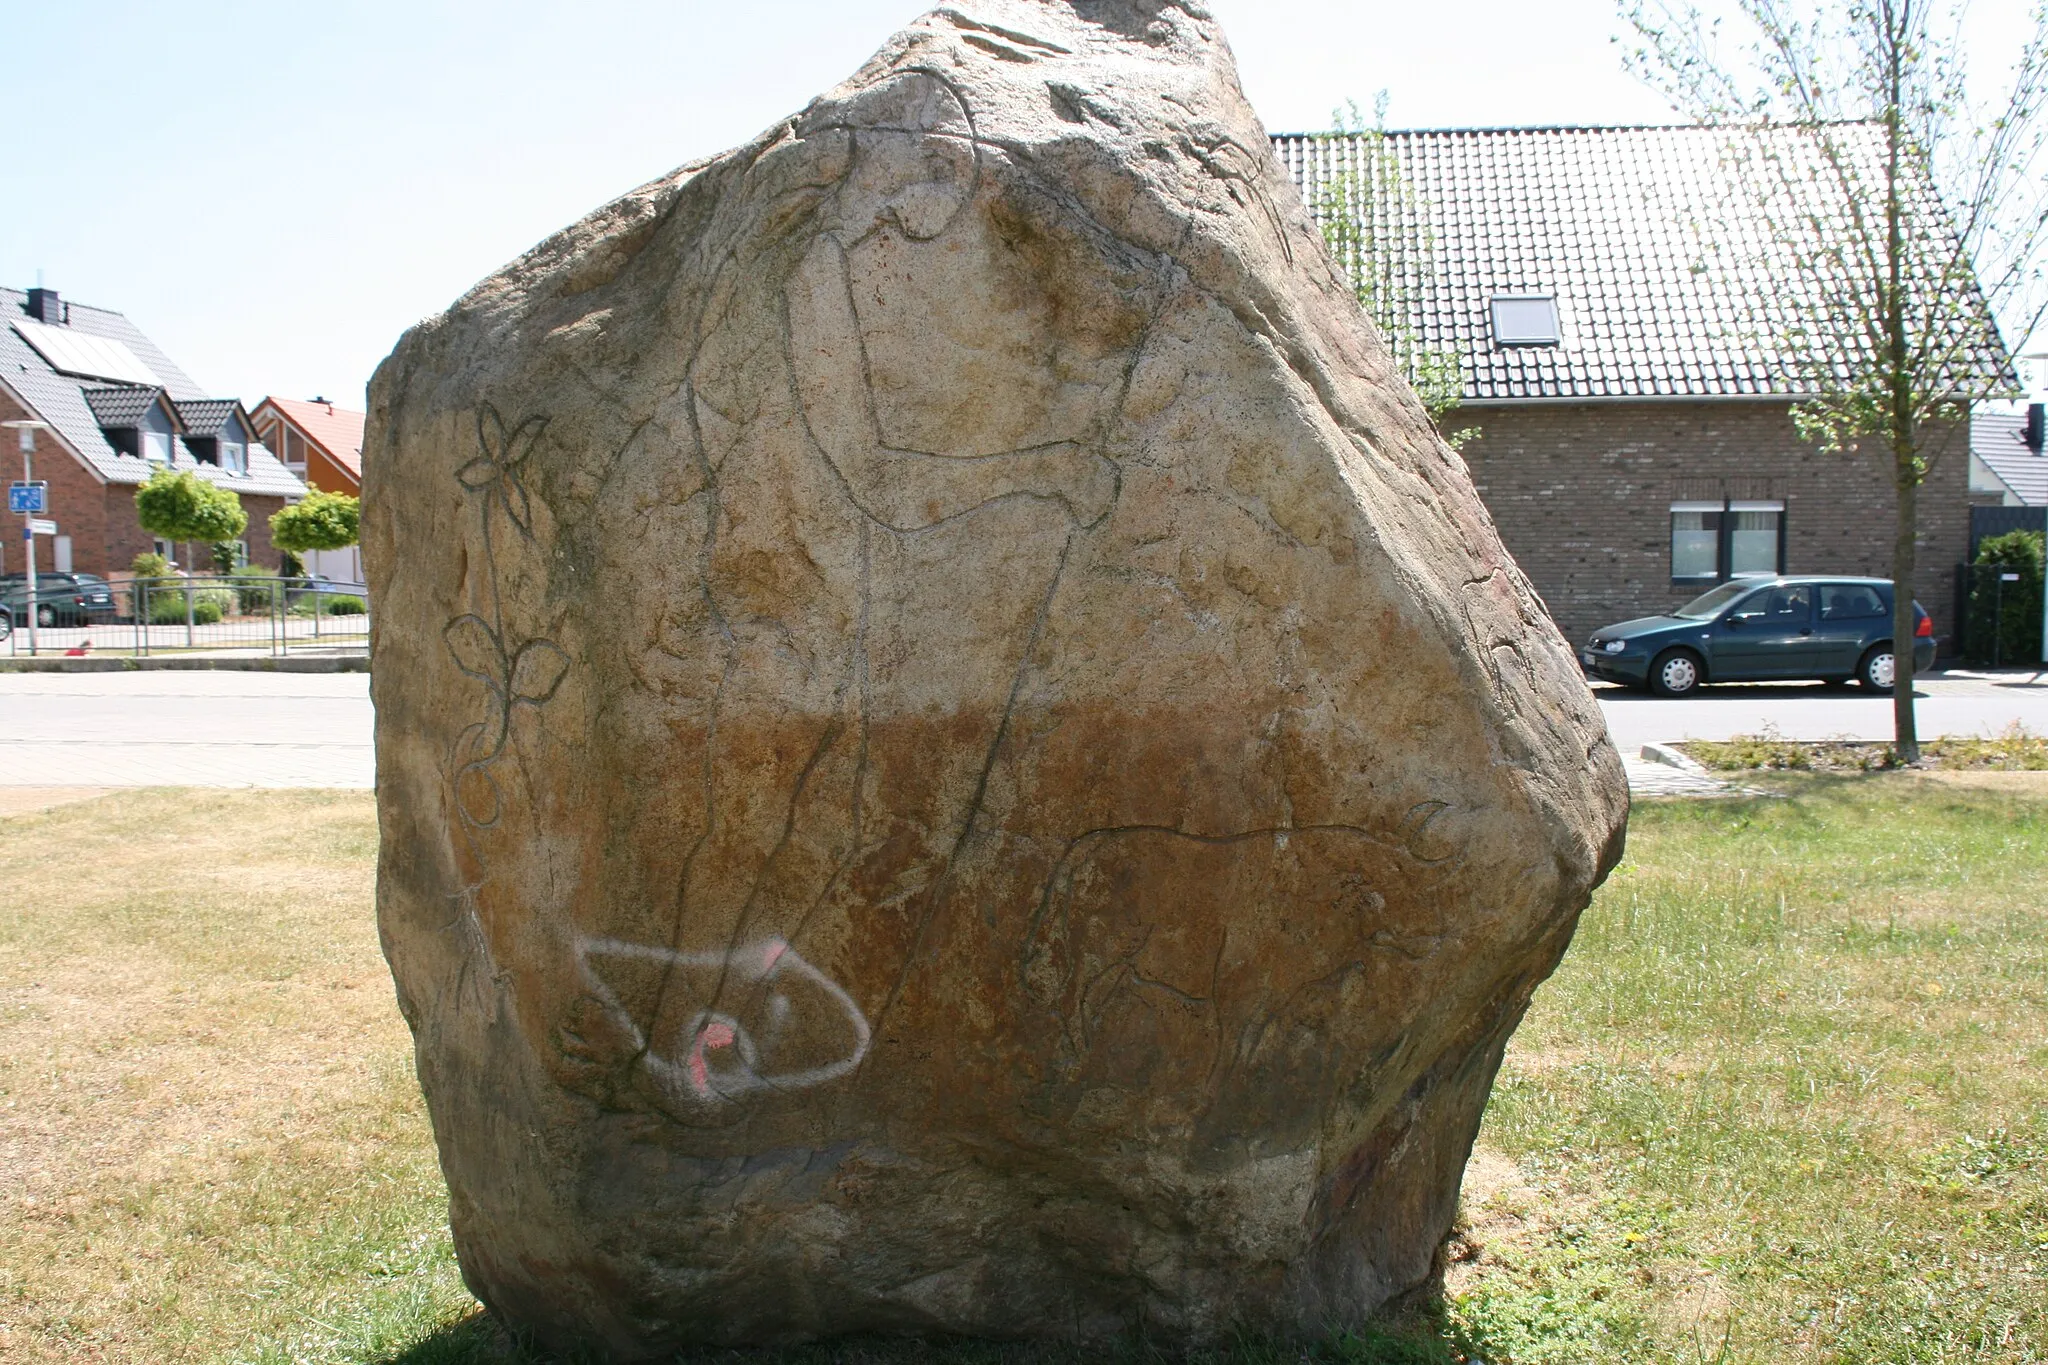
<point>274,192</point>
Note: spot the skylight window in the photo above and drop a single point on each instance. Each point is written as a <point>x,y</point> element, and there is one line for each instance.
<point>72,352</point>
<point>1525,320</point>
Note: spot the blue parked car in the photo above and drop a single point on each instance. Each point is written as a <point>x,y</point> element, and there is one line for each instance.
<point>1762,629</point>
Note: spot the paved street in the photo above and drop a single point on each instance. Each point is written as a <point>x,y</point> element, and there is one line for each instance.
<point>231,729</point>
<point>211,729</point>
<point>1950,704</point>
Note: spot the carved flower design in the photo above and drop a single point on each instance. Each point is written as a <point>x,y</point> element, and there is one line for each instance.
<point>526,673</point>
<point>516,672</point>
<point>495,472</point>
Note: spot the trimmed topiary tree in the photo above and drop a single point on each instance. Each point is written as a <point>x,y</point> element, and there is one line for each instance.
<point>186,508</point>
<point>323,521</point>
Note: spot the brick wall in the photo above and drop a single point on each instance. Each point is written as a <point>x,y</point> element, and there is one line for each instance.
<point>260,509</point>
<point>77,501</point>
<point>1582,495</point>
<point>126,538</point>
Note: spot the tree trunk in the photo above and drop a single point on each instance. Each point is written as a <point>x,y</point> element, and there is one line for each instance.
<point>187,548</point>
<point>1905,730</point>
<point>1898,374</point>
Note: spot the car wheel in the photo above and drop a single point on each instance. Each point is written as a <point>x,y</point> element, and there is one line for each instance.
<point>1878,668</point>
<point>6,625</point>
<point>1674,673</point>
<point>46,615</point>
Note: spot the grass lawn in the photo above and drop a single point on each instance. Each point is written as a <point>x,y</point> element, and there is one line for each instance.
<point>1787,1099</point>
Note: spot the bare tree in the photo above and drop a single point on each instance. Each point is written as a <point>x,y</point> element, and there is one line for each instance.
<point>1377,228</point>
<point>1903,217</point>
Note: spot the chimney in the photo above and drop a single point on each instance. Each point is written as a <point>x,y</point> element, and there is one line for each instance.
<point>44,305</point>
<point>2037,426</point>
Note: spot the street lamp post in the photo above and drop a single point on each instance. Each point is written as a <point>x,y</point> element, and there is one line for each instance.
<point>28,432</point>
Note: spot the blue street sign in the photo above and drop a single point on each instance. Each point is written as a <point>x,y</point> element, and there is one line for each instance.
<point>27,499</point>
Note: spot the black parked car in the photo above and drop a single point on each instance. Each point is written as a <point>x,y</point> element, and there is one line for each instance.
<point>62,599</point>
<point>1753,629</point>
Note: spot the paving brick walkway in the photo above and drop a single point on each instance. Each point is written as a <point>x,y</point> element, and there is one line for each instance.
<point>1646,778</point>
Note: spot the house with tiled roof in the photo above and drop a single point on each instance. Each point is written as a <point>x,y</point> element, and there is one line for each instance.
<point>317,440</point>
<point>322,443</point>
<point>2009,458</point>
<point>116,409</point>
<point>1623,322</point>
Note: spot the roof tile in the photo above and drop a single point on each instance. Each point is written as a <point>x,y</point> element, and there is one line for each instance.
<point>1614,221</point>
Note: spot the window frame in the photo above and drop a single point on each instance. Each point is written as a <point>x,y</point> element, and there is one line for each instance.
<point>1724,547</point>
<point>1505,338</point>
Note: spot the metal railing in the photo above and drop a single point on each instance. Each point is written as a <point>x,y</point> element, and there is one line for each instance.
<point>221,614</point>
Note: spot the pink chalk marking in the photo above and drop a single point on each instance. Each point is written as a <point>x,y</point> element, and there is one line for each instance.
<point>711,1035</point>
<point>773,954</point>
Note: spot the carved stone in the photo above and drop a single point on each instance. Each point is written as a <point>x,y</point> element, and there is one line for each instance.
<point>954,753</point>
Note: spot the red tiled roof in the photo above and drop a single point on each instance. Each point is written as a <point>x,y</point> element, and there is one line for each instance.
<point>337,431</point>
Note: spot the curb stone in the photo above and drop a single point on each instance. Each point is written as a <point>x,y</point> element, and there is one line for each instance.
<point>1672,758</point>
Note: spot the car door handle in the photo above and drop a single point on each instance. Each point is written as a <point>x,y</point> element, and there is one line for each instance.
<point>1807,631</point>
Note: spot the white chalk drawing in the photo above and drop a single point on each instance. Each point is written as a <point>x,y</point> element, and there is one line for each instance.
<point>758,1018</point>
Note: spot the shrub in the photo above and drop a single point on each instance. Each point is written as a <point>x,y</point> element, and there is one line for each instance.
<point>2004,620</point>
<point>340,604</point>
<point>256,596</point>
<point>145,565</point>
<point>209,605</point>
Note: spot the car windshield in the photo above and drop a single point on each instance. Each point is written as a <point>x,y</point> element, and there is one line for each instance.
<point>1709,604</point>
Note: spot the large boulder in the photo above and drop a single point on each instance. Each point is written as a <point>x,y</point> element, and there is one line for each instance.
<point>954,753</point>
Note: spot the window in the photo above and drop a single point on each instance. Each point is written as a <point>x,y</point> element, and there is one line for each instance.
<point>231,458</point>
<point>1753,539</point>
<point>1696,540</point>
<point>1712,542</point>
<point>1708,605</point>
<point>1525,320</point>
<point>1850,602</point>
<point>1791,604</point>
<point>156,447</point>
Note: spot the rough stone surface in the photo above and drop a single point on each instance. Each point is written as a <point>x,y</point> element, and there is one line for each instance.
<point>953,753</point>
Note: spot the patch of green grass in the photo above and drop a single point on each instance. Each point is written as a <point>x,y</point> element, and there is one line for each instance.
<point>1786,1096</point>
<point>1785,1101</point>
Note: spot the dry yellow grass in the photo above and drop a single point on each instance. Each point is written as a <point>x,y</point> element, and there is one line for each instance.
<point>210,1123</point>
